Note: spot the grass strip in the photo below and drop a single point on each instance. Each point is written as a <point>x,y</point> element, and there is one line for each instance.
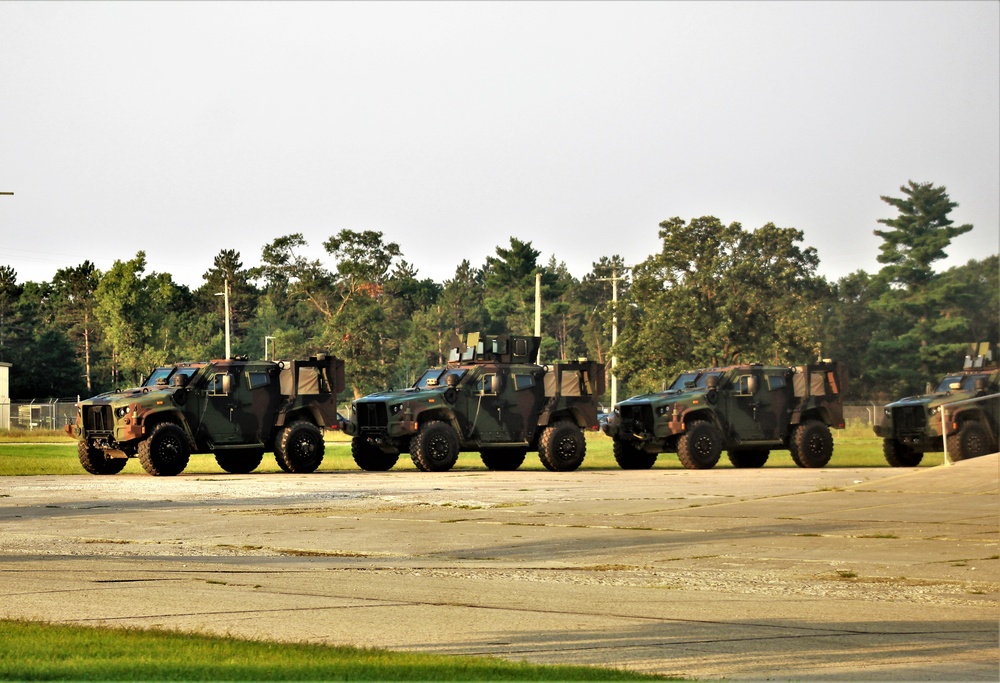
<point>855,446</point>
<point>35,651</point>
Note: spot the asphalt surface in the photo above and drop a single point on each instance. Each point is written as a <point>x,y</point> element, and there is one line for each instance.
<point>778,573</point>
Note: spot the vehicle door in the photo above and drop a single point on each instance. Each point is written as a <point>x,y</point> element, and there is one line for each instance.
<point>215,405</point>
<point>485,405</point>
<point>524,395</point>
<point>255,401</point>
<point>747,404</point>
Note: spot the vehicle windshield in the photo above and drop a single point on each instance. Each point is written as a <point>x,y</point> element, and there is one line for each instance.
<point>168,374</point>
<point>157,374</point>
<point>967,382</point>
<point>692,380</point>
<point>438,377</point>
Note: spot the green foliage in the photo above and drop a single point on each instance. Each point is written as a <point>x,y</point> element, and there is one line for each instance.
<point>713,294</point>
<point>918,236</point>
<point>716,295</point>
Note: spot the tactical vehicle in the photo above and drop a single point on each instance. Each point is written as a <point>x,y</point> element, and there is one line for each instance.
<point>491,397</point>
<point>963,409</point>
<point>237,409</point>
<point>747,410</point>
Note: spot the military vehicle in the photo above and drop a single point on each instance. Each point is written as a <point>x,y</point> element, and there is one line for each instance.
<point>963,409</point>
<point>237,409</point>
<point>491,397</point>
<point>747,410</point>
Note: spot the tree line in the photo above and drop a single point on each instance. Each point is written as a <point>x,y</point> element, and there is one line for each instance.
<point>714,294</point>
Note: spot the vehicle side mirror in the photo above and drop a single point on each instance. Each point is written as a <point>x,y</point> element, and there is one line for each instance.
<point>752,385</point>
<point>495,384</point>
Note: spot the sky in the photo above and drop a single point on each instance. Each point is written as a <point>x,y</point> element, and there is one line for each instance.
<point>182,129</point>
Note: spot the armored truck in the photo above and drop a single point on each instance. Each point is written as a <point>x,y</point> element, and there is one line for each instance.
<point>746,410</point>
<point>237,409</point>
<point>963,409</point>
<point>491,397</point>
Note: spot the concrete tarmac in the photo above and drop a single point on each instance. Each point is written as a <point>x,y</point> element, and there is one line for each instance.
<point>770,574</point>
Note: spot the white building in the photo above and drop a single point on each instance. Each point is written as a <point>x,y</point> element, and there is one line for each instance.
<point>4,395</point>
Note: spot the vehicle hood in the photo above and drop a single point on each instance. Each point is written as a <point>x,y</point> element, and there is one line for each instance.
<point>135,395</point>
<point>664,397</point>
<point>931,400</point>
<point>403,395</point>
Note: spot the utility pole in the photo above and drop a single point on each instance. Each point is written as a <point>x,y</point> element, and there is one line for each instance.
<point>225,294</point>
<point>614,330</point>
<point>538,314</point>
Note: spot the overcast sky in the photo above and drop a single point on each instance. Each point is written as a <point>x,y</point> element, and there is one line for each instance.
<point>186,128</point>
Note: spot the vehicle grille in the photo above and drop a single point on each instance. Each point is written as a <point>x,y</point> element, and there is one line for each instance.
<point>637,419</point>
<point>906,419</point>
<point>372,417</point>
<point>98,418</point>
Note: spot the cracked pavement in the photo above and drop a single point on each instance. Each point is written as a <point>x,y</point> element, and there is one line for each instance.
<point>777,573</point>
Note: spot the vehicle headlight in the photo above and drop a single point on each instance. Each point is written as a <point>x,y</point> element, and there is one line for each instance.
<point>394,409</point>
<point>121,412</point>
<point>934,410</point>
<point>888,412</point>
<point>662,410</point>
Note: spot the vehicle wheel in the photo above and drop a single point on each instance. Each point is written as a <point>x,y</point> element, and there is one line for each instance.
<point>95,461</point>
<point>166,451</point>
<point>629,457</point>
<point>240,461</point>
<point>700,447</point>
<point>503,459</point>
<point>301,447</point>
<point>370,457</point>
<point>561,447</point>
<point>970,441</point>
<point>435,447</point>
<point>811,444</point>
<point>899,454</point>
<point>749,459</point>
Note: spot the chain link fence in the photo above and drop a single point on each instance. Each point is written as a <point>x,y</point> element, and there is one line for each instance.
<point>49,413</point>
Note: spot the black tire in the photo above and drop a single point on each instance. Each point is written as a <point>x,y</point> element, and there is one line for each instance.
<point>165,452</point>
<point>240,461</point>
<point>96,461</point>
<point>300,447</point>
<point>503,459</point>
<point>811,444</point>
<point>562,447</point>
<point>435,447</point>
<point>370,457</point>
<point>749,459</point>
<point>700,447</point>
<point>629,457</point>
<point>970,441</point>
<point>899,454</point>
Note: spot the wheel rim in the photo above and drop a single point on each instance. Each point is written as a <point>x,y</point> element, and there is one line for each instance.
<point>169,449</point>
<point>703,448</point>
<point>566,448</point>
<point>438,448</point>
<point>975,444</point>
<point>305,447</point>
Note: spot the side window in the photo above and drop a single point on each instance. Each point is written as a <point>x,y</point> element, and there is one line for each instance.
<point>775,382</point>
<point>258,379</point>
<point>743,385</point>
<point>219,385</point>
<point>521,347</point>
<point>485,384</point>
<point>523,382</point>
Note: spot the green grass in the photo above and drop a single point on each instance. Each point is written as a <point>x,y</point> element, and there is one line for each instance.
<point>855,446</point>
<point>37,651</point>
